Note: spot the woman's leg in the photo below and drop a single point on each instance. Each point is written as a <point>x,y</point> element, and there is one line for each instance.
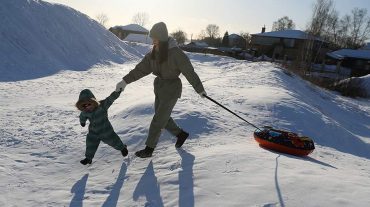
<point>163,110</point>
<point>171,125</point>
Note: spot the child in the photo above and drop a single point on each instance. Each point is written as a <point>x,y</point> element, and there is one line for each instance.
<point>100,129</point>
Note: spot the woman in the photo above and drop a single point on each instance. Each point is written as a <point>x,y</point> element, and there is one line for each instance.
<point>166,61</point>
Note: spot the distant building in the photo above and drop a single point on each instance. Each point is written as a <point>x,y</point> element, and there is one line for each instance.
<point>289,43</point>
<point>197,44</point>
<point>367,46</point>
<point>141,38</point>
<point>123,31</point>
<point>237,41</point>
<point>356,60</point>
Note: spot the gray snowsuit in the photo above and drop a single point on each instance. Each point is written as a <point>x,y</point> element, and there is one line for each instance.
<point>167,87</point>
<point>100,129</point>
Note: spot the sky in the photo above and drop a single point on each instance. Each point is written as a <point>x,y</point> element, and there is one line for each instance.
<point>193,16</point>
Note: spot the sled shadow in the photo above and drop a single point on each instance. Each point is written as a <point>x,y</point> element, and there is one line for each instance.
<point>78,189</point>
<point>186,180</point>
<point>281,200</point>
<point>303,158</point>
<point>148,186</point>
<point>112,199</point>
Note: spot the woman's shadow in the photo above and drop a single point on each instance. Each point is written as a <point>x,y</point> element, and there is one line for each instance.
<point>79,192</point>
<point>148,186</point>
<point>186,180</point>
<point>116,189</point>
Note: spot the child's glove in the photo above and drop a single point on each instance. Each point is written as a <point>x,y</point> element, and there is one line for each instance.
<point>82,124</point>
<point>121,86</point>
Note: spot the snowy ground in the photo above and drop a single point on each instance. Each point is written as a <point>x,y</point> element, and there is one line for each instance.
<point>220,165</point>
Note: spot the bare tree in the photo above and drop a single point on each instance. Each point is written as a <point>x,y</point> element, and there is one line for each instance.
<point>179,36</point>
<point>283,23</point>
<point>359,29</point>
<point>213,31</point>
<point>320,15</point>
<point>102,19</point>
<point>140,18</point>
<point>247,38</point>
<point>202,35</point>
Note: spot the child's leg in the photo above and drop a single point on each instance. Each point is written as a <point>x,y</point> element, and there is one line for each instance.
<point>114,141</point>
<point>92,144</point>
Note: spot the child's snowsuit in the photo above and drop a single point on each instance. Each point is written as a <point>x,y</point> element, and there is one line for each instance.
<point>100,129</point>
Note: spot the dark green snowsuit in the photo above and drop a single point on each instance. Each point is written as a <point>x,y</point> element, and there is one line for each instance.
<point>100,129</point>
<point>167,87</point>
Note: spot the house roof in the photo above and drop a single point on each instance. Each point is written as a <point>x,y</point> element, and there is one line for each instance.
<point>367,46</point>
<point>139,38</point>
<point>132,27</point>
<point>234,36</point>
<point>289,34</point>
<point>348,53</point>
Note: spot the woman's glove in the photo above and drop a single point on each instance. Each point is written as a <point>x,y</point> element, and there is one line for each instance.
<point>121,86</point>
<point>202,94</point>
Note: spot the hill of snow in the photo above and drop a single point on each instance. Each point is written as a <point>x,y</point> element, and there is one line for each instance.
<point>39,39</point>
<point>220,165</point>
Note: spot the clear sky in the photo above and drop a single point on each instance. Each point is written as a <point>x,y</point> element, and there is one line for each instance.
<point>192,16</point>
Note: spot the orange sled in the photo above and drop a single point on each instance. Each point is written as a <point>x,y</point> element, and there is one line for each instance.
<point>284,141</point>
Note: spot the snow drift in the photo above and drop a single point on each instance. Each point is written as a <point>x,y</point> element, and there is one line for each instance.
<point>354,86</point>
<point>39,39</point>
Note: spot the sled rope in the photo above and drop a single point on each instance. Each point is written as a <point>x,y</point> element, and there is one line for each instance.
<point>209,98</point>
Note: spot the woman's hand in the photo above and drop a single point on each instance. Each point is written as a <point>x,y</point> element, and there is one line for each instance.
<point>121,86</point>
<point>202,94</point>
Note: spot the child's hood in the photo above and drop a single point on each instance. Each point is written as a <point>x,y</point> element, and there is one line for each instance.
<point>86,96</point>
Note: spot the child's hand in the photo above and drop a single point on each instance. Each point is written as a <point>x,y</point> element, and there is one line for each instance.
<point>83,124</point>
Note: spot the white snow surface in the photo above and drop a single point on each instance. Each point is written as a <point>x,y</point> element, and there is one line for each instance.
<point>49,38</point>
<point>219,165</point>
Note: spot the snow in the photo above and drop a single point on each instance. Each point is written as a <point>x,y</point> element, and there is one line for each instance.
<point>48,38</point>
<point>290,34</point>
<point>219,165</point>
<point>349,53</point>
<point>132,27</point>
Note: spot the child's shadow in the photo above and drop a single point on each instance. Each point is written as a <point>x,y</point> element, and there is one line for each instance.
<point>114,193</point>
<point>79,191</point>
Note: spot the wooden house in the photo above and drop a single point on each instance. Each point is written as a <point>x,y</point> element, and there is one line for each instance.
<point>291,44</point>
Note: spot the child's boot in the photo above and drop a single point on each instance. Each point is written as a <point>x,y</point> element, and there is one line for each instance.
<point>124,152</point>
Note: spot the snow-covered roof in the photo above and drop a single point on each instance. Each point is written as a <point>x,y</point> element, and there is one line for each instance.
<point>367,46</point>
<point>139,38</point>
<point>348,53</point>
<point>234,36</point>
<point>291,34</point>
<point>132,27</point>
<point>198,44</point>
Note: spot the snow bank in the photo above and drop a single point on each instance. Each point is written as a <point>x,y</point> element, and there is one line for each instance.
<point>39,39</point>
<point>355,86</point>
